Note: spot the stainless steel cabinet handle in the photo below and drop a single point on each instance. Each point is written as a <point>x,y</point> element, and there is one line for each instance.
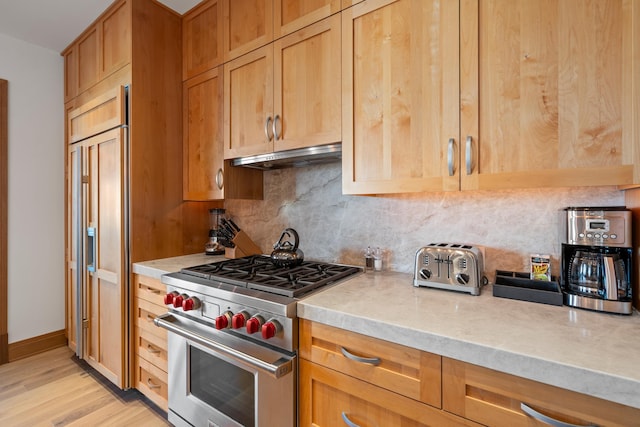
<point>468,155</point>
<point>151,385</point>
<point>276,120</point>
<point>450,156</point>
<point>266,129</point>
<point>220,179</point>
<point>347,421</point>
<point>368,360</point>
<point>548,420</point>
<point>91,249</point>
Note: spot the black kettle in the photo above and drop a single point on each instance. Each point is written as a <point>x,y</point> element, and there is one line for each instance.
<point>285,253</point>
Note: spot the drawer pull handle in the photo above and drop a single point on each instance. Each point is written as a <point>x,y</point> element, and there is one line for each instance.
<point>368,360</point>
<point>152,349</point>
<point>152,290</point>
<point>151,385</point>
<point>468,155</point>
<point>548,420</point>
<point>150,317</point>
<point>450,161</point>
<point>347,421</point>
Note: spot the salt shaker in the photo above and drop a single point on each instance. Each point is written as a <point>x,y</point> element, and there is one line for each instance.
<point>377,259</point>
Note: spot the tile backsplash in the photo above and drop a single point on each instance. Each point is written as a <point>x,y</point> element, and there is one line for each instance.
<point>509,224</point>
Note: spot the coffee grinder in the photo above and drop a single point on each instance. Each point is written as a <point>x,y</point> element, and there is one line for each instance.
<point>597,258</point>
<point>217,240</point>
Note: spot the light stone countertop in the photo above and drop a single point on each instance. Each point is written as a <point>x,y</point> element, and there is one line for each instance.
<point>588,352</point>
<point>157,267</point>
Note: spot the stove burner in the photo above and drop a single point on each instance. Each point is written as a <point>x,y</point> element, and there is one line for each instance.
<point>259,273</point>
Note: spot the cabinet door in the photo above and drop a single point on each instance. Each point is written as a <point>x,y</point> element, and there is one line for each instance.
<point>248,24</point>
<point>70,72</point>
<point>74,212</point>
<point>203,145</point>
<point>202,38</point>
<point>248,104</point>
<point>494,398</point>
<point>106,296</point>
<point>292,15</point>
<point>115,38</point>
<point>307,86</point>
<point>400,96</point>
<point>329,398</point>
<point>547,93</point>
<point>87,61</point>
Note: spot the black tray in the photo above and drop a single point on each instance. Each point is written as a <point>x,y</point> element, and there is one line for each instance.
<point>514,285</point>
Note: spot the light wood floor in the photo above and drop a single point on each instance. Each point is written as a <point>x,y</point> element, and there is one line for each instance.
<point>53,389</point>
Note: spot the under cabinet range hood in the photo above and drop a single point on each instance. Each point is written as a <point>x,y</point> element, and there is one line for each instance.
<point>298,157</point>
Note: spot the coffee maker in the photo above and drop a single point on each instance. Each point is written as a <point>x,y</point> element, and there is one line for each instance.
<point>597,258</point>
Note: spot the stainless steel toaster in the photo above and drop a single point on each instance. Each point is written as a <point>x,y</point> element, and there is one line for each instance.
<point>450,266</point>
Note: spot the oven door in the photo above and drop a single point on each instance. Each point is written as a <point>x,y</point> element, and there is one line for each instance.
<point>219,380</point>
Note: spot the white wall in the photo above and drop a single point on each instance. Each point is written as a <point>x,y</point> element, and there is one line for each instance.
<point>36,188</point>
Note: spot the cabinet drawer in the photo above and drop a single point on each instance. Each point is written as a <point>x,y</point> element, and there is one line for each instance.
<point>152,382</point>
<point>495,399</point>
<point>327,397</point>
<point>410,372</point>
<point>152,348</point>
<point>144,315</point>
<point>150,289</point>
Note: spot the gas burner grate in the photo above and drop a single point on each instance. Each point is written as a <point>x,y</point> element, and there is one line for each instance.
<point>259,273</point>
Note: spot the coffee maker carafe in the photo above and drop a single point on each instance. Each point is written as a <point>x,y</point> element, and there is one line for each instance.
<point>597,258</point>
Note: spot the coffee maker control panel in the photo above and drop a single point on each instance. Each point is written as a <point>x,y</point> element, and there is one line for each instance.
<point>599,227</point>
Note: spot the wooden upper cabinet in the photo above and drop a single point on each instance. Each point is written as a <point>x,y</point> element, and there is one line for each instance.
<point>202,38</point>
<point>115,38</point>
<point>247,24</point>
<point>250,24</point>
<point>547,93</point>
<point>307,74</point>
<point>248,104</point>
<point>70,73</point>
<point>400,94</point>
<point>87,60</point>
<point>202,144</point>
<point>348,3</point>
<point>292,15</point>
<point>285,95</point>
<point>102,49</point>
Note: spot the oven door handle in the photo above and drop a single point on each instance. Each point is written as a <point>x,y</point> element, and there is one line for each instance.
<point>281,367</point>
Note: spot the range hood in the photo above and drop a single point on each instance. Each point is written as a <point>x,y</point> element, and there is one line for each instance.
<point>298,157</point>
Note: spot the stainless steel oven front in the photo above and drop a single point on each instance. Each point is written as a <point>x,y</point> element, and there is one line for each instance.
<point>219,380</point>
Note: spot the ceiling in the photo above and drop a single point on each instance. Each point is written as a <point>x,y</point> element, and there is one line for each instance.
<point>54,24</point>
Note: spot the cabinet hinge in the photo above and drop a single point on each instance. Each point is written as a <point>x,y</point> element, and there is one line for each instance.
<point>85,324</point>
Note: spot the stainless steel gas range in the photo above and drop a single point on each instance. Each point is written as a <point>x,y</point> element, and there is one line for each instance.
<point>233,339</point>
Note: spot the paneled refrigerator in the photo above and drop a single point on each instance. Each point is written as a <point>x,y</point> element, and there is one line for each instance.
<point>98,237</point>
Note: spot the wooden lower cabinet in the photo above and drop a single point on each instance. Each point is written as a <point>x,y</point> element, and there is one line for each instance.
<point>150,359</point>
<point>351,378</point>
<point>495,399</point>
<point>330,398</point>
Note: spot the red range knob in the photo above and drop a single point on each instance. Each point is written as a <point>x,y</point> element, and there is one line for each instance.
<point>223,321</point>
<point>191,304</point>
<point>270,329</point>
<point>178,300</point>
<point>239,320</point>
<point>168,298</point>
<point>254,324</point>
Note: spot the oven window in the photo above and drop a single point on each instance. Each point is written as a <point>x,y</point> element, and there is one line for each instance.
<point>223,386</point>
